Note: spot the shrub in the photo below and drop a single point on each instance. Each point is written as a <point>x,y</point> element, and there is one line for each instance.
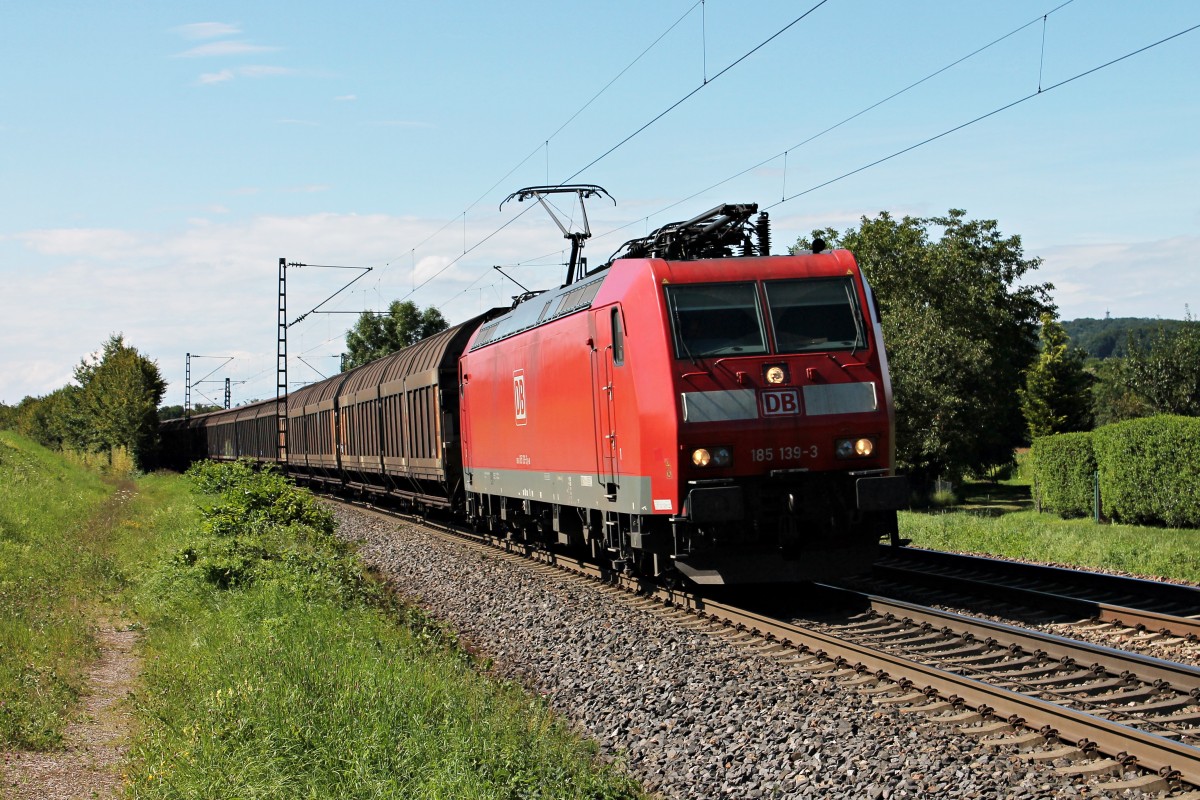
<point>1150,470</point>
<point>263,529</point>
<point>1064,466</point>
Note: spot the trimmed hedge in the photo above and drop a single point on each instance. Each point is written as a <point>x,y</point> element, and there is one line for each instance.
<point>1150,470</point>
<point>1064,467</point>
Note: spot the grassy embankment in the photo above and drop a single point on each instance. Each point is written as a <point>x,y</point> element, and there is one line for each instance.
<point>999,518</point>
<point>55,522</point>
<point>273,668</point>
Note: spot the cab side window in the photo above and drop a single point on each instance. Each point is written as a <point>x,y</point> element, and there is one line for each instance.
<point>618,338</point>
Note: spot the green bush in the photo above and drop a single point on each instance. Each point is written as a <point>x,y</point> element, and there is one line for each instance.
<point>1150,470</point>
<point>1064,467</point>
<point>263,529</point>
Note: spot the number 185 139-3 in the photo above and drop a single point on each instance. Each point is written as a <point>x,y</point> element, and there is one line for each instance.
<point>785,453</point>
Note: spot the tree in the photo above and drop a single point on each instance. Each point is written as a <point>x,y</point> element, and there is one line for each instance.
<point>1166,373</point>
<point>176,411</point>
<point>119,396</point>
<point>53,420</point>
<point>1113,399</point>
<point>8,417</point>
<point>960,333</point>
<point>1057,393</point>
<point>376,335</point>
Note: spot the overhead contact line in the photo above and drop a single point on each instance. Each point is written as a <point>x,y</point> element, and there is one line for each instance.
<point>1040,91</point>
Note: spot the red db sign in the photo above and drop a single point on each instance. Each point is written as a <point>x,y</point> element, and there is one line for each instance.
<point>780,402</point>
<point>519,395</point>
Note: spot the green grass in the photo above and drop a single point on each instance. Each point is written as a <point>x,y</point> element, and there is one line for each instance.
<point>258,697</point>
<point>1152,552</point>
<point>55,530</point>
<point>272,666</point>
<point>998,518</point>
<point>275,670</point>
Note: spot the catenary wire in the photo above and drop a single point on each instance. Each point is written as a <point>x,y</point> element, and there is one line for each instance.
<point>837,125</point>
<point>693,92</point>
<point>992,113</point>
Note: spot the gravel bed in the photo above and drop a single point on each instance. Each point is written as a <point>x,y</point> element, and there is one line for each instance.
<point>1168,648</point>
<point>687,714</point>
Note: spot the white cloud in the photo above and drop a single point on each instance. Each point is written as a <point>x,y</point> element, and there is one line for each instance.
<point>206,30</point>
<point>211,288</point>
<point>225,49</point>
<point>215,77</point>
<point>1126,279</point>
<point>255,71</point>
<point>346,98</point>
<point>99,242</point>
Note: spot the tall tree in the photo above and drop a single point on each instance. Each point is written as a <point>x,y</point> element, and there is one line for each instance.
<point>119,395</point>
<point>1057,394</point>
<point>1113,397</point>
<point>960,329</point>
<point>376,335</point>
<point>1166,373</point>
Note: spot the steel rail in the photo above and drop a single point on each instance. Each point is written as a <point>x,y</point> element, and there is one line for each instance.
<point>1157,753</point>
<point>1183,677</point>
<point>1075,591</point>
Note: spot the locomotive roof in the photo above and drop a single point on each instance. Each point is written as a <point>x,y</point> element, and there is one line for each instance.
<point>542,308</point>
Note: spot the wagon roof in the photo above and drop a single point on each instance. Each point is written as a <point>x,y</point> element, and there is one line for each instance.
<point>438,351</point>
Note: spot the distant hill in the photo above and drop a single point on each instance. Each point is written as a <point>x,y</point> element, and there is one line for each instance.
<point>1108,338</point>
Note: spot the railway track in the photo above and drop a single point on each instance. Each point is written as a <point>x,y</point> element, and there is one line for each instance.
<point>1090,711</point>
<point>1153,608</point>
<point>1105,709</point>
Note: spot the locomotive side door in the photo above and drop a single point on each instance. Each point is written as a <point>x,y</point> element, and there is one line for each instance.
<point>608,353</point>
<point>464,432</point>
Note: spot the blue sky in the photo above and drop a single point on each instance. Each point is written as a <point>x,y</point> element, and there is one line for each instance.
<point>156,159</point>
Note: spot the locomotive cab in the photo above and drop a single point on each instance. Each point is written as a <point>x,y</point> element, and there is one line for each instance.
<point>784,424</point>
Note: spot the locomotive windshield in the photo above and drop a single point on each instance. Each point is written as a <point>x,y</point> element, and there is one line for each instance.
<point>712,319</point>
<point>815,314</point>
<point>809,314</point>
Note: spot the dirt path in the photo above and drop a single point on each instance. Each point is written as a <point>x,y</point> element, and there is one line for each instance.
<point>96,739</point>
<point>95,743</point>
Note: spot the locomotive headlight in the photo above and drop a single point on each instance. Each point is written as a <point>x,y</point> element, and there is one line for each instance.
<point>776,374</point>
<point>715,457</point>
<point>855,448</point>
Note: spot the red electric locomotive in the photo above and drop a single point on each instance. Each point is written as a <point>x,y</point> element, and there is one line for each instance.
<point>685,409</point>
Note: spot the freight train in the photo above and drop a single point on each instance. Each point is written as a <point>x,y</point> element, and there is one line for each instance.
<point>695,408</point>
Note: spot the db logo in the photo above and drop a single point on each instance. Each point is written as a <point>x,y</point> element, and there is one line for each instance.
<point>779,402</point>
<point>519,395</point>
